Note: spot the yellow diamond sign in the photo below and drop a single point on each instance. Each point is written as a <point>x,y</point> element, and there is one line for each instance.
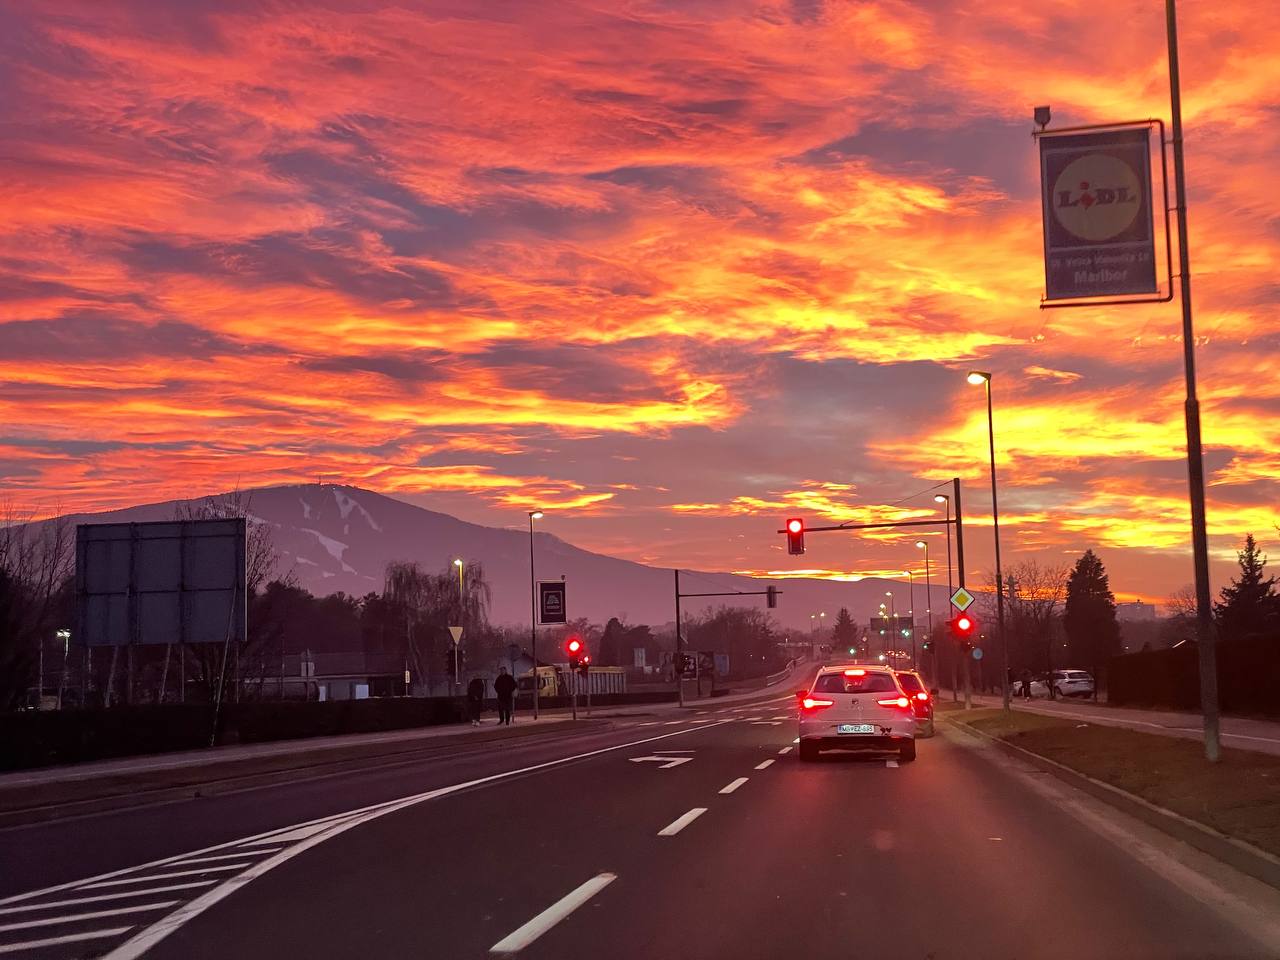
<point>961,599</point>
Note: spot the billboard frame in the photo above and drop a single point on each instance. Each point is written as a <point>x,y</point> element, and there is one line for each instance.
<point>1167,296</point>
<point>163,593</point>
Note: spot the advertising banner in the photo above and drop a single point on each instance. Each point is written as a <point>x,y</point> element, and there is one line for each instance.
<point>1096,195</point>
<point>551,605</point>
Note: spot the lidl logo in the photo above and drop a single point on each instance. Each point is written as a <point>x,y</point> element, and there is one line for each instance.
<point>1096,197</point>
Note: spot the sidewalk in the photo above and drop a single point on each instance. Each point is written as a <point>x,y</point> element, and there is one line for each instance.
<point>1242,733</point>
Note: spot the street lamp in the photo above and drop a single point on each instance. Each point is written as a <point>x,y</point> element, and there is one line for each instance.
<point>533,612</point>
<point>943,498</point>
<point>911,581</point>
<point>982,377</point>
<point>928,593</point>
<point>893,615</point>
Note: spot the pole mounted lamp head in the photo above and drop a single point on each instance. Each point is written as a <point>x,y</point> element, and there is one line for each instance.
<point>921,545</point>
<point>535,514</point>
<point>978,377</point>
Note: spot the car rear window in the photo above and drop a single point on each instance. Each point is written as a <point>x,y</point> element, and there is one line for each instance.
<point>910,682</point>
<point>869,683</point>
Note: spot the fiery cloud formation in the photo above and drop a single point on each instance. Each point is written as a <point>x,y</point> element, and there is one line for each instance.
<point>671,271</point>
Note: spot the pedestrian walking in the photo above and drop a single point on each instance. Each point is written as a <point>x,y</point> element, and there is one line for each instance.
<point>504,685</point>
<point>475,699</point>
<point>1026,684</point>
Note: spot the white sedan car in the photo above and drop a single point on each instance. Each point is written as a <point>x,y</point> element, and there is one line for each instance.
<point>1066,683</point>
<point>856,707</point>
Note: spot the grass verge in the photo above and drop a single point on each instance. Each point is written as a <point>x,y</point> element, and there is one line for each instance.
<point>1239,796</point>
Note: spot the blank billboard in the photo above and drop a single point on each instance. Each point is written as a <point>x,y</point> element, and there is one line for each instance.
<point>180,581</point>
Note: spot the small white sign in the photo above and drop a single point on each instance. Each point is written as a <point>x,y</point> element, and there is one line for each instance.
<point>456,633</point>
<point>961,599</point>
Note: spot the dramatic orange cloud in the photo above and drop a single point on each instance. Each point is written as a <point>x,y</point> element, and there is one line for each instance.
<point>673,272</point>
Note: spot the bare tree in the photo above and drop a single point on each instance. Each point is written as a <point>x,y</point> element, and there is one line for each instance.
<point>1034,592</point>
<point>36,566</point>
<point>261,561</point>
<point>1182,603</point>
<point>427,603</point>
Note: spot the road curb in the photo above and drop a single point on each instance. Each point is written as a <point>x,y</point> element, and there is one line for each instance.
<point>304,765</point>
<point>1237,853</point>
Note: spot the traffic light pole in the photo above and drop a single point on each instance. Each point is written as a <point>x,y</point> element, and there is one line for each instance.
<point>771,592</point>
<point>964,654</point>
<point>679,664</point>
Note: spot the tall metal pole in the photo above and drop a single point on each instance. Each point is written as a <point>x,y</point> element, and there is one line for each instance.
<point>679,664</point>
<point>995,526</point>
<point>533,620</point>
<point>928,604</point>
<point>1195,460</point>
<point>911,612</point>
<point>950,590</point>
<point>955,492</point>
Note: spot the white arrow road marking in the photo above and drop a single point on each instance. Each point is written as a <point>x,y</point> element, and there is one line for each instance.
<point>667,762</point>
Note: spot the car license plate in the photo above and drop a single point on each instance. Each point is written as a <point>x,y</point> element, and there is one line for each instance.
<point>856,728</point>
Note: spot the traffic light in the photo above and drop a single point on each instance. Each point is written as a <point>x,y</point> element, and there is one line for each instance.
<point>584,664</point>
<point>795,536</point>
<point>771,596</point>
<point>963,628</point>
<point>573,647</point>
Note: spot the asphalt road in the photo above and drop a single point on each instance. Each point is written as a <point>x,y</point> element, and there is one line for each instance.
<point>577,847</point>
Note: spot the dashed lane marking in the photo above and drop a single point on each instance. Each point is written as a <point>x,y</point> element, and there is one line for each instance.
<point>784,750</point>
<point>682,821</point>
<point>734,785</point>
<point>764,764</point>
<point>521,937</point>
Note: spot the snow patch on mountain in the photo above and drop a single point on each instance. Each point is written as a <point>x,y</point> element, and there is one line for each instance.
<point>336,548</point>
<point>347,504</point>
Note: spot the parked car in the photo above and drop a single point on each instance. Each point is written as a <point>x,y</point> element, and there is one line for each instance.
<point>1066,683</point>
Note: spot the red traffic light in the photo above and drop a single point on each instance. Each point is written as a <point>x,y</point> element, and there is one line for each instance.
<point>795,536</point>
<point>573,646</point>
<point>963,627</point>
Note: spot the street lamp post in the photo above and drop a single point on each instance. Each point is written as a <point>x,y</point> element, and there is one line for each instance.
<point>462,615</point>
<point>982,377</point>
<point>911,612</point>
<point>893,616</point>
<point>928,601</point>
<point>533,612</point>
<point>943,498</point>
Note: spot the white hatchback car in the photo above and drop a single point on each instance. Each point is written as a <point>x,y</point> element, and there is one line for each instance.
<point>856,707</point>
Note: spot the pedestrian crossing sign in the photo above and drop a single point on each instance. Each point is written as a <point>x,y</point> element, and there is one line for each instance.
<point>961,599</point>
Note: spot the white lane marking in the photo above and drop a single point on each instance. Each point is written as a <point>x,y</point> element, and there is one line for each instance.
<point>749,719</point>
<point>766,723</point>
<point>649,723</point>
<point>796,740</point>
<point>164,876</point>
<point>145,939</point>
<point>784,750</point>
<point>764,764</point>
<point>522,936</point>
<point>667,762</point>
<point>672,723</point>
<point>729,788</point>
<point>118,895</point>
<point>69,938</point>
<point>891,763</point>
<point>224,856</point>
<point>77,917</point>
<point>682,821</point>
<point>781,718</point>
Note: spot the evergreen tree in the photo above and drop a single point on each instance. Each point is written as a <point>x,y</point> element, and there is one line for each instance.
<point>1090,615</point>
<point>1249,604</point>
<point>845,633</point>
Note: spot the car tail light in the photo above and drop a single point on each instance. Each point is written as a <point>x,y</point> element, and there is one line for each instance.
<point>922,696</point>
<point>902,702</point>
<point>855,673</point>
<point>813,703</point>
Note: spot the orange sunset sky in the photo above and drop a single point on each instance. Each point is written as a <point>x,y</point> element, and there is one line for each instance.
<point>671,271</point>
